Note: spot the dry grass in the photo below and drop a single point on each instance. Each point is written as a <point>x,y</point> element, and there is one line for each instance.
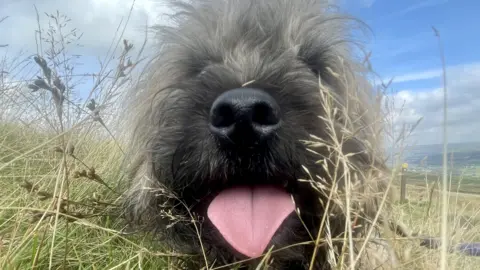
<point>423,215</point>
<point>60,161</point>
<point>61,171</point>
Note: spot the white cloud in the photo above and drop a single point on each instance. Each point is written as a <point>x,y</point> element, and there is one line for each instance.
<point>424,75</point>
<point>368,3</point>
<point>464,70</point>
<point>463,106</point>
<point>353,3</point>
<point>417,6</point>
<point>97,19</point>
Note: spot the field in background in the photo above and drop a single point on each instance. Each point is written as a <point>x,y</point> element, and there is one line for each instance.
<point>458,183</point>
<point>60,172</point>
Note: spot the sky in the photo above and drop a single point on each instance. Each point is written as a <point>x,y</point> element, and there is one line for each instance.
<point>402,43</point>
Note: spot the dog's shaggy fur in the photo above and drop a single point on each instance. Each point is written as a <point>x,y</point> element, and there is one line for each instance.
<point>300,53</point>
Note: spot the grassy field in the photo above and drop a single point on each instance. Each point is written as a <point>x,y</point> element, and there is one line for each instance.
<point>87,233</point>
<point>61,171</point>
<point>458,183</point>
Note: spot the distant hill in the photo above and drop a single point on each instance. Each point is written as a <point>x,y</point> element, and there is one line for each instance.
<point>463,155</point>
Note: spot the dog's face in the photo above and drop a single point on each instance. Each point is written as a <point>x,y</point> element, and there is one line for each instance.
<point>237,156</point>
<point>235,95</point>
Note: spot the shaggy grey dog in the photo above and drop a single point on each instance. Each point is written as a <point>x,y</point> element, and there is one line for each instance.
<point>221,130</point>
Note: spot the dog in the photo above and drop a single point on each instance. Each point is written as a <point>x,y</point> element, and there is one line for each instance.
<point>249,116</point>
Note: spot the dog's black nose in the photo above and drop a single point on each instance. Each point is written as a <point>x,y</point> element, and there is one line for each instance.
<point>244,116</point>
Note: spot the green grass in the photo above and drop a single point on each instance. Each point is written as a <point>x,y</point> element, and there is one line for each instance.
<point>460,183</point>
<point>97,242</point>
<point>422,214</point>
<point>92,243</point>
<point>60,165</point>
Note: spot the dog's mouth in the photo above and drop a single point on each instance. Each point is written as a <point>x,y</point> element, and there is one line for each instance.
<point>247,217</point>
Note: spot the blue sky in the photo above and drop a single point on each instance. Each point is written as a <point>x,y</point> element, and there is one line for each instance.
<point>402,42</point>
<point>404,47</point>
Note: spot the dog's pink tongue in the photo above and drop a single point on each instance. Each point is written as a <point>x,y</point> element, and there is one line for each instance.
<point>248,217</point>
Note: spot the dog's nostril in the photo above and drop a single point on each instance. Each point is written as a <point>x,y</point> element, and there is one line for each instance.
<point>223,116</point>
<point>244,116</point>
<point>263,114</point>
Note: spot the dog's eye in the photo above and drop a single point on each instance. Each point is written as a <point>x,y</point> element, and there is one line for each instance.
<point>311,63</point>
<point>315,71</point>
<point>311,58</point>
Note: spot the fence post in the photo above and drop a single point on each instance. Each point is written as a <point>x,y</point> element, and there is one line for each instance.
<point>403,183</point>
